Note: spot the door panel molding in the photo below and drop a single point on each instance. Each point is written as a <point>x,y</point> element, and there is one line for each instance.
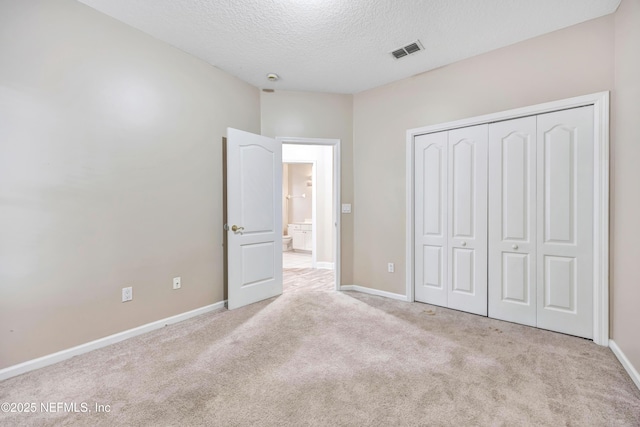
<point>600,102</point>
<point>516,149</point>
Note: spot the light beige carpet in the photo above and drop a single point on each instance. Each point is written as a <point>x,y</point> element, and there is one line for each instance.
<point>317,357</point>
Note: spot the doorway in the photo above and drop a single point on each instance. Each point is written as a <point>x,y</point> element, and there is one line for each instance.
<point>300,220</point>
<point>310,205</point>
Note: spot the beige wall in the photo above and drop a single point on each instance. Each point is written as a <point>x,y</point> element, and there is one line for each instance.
<point>625,175</point>
<point>110,176</point>
<point>574,61</point>
<point>317,115</point>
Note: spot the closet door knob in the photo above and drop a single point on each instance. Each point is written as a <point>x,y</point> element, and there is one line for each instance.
<point>464,243</point>
<point>515,247</point>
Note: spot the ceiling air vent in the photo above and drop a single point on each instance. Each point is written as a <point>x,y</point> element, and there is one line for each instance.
<point>399,53</point>
<point>414,47</point>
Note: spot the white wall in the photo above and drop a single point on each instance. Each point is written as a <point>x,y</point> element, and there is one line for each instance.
<point>322,157</point>
<point>110,176</point>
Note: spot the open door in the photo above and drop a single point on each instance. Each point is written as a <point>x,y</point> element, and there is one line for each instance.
<point>254,215</point>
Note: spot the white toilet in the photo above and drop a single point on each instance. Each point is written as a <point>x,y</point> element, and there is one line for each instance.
<point>286,243</point>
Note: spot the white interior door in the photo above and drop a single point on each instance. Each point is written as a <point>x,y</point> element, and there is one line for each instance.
<point>467,223</point>
<point>431,218</point>
<point>565,221</point>
<point>254,216</point>
<point>512,220</point>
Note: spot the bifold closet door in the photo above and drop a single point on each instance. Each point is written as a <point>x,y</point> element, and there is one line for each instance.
<point>467,219</point>
<point>538,196</point>
<point>512,220</point>
<point>541,221</point>
<point>451,219</point>
<point>565,144</point>
<point>430,186</point>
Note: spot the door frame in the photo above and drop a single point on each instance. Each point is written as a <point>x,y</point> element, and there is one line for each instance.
<point>336,144</point>
<point>600,102</point>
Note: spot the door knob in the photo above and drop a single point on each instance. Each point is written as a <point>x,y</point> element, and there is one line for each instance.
<point>464,243</point>
<point>515,247</point>
<point>235,228</point>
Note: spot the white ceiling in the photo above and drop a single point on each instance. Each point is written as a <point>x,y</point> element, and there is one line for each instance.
<point>343,46</point>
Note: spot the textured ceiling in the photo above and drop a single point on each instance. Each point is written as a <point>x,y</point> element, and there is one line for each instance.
<point>343,45</point>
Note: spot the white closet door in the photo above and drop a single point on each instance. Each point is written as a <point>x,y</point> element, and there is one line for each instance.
<point>512,220</point>
<point>467,229</point>
<point>565,221</point>
<point>431,218</point>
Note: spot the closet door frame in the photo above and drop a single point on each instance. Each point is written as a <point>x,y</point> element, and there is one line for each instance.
<point>600,102</point>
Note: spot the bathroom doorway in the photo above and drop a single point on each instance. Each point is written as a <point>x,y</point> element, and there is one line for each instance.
<point>299,213</point>
<point>310,204</point>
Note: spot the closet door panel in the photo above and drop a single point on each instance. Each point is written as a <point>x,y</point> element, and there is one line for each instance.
<point>467,191</point>
<point>463,153</point>
<point>515,282</point>
<point>463,280</point>
<point>512,236</point>
<point>565,221</point>
<point>559,159</point>
<point>430,214</point>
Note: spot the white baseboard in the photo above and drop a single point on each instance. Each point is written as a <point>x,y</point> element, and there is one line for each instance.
<point>372,291</point>
<point>325,265</point>
<point>633,373</point>
<point>50,359</point>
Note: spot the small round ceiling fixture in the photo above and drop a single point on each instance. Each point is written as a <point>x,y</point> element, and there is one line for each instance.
<point>272,77</point>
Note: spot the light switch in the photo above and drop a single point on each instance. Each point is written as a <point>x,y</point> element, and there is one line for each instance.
<point>346,208</point>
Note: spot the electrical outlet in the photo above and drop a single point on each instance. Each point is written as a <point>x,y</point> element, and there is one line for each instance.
<point>127,294</point>
<point>391,267</point>
<point>176,283</point>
